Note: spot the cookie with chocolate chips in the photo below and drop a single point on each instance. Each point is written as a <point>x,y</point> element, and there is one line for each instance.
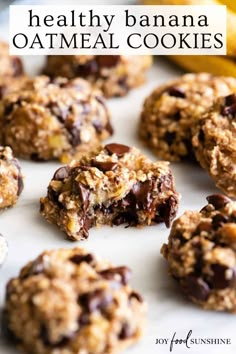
<point>11,179</point>
<point>214,143</point>
<point>172,109</point>
<point>68,301</point>
<point>201,253</point>
<point>113,185</point>
<point>114,75</point>
<point>53,119</point>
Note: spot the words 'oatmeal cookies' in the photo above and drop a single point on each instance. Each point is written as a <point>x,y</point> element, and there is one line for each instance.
<point>68,301</point>
<point>53,119</point>
<point>115,75</point>
<point>113,185</point>
<point>201,253</point>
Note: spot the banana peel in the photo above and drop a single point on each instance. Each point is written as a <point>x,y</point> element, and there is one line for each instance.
<point>219,65</point>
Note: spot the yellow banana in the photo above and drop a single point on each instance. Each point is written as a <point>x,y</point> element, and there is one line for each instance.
<point>225,66</point>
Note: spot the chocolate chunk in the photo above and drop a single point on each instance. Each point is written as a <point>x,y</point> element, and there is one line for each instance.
<point>219,279</point>
<point>84,193</point>
<point>35,157</point>
<point>87,69</point>
<point>219,220</point>
<point>136,295</point>
<point>74,132</point>
<point>8,109</point>
<point>196,287</point>
<point>49,343</point>
<point>126,332</point>
<point>218,200</point>
<point>111,274</point>
<point>52,195</point>
<point>230,100</point>
<point>176,92</point>
<point>104,165</point>
<point>86,225</point>
<point>125,217</point>
<point>107,61</point>
<point>142,193</point>
<point>20,185</point>
<point>228,111</point>
<point>17,66</point>
<point>57,111</point>
<point>95,300</point>
<point>78,258</point>
<point>167,211</point>
<point>177,116</point>
<point>201,136</point>
<point>170,137</point>
<point>62,173</point>
<point>117,149</point>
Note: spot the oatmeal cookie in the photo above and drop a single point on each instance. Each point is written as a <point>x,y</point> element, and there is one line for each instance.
<point>67,301</point>
<point>172,109</point>
<point>214,143</point>
<point>113,185</point>
<point>9,65</point>
<point>11,179</point>
<point>3,249</point>
<point>115,75</point>
<point>53,119</point>
<point>201,253</point>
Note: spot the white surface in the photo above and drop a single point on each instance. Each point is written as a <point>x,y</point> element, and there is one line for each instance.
<point>28,234</point>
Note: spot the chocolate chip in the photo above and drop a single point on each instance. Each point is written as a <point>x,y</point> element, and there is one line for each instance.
<point>167,211</point>
<point>228,111</point>
<point>52,195</point>
<point>201,136</point>
<point>86,225</point>
<point>219,279</point>
<point>219,220</point>
<point>57,111</point>
<point>177,116</point>
<point>20,185</point>
<point>87,69</point>
<point>49,343</point>
<point>196,288</point>
<point>62,173</point>
<point>230,100</point>
<point>176,92</point>
<point>117,149</point>
<point>127,217</point>
<point>84,193</point>
<point>142,193</point>
<point>79,258</point>
<point>218,200</point>
<point>74,132</point>
<point>126,332</point>
<point>108,61</point>
<point>36,157</point>
<point>109,128</point>
<point>104,165</point>
<point>8,109</point>
<point>170,137</point>
<point>111,274</point>
<point>136,295</point>
<point>17,66</point>
<point>95,300</point>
